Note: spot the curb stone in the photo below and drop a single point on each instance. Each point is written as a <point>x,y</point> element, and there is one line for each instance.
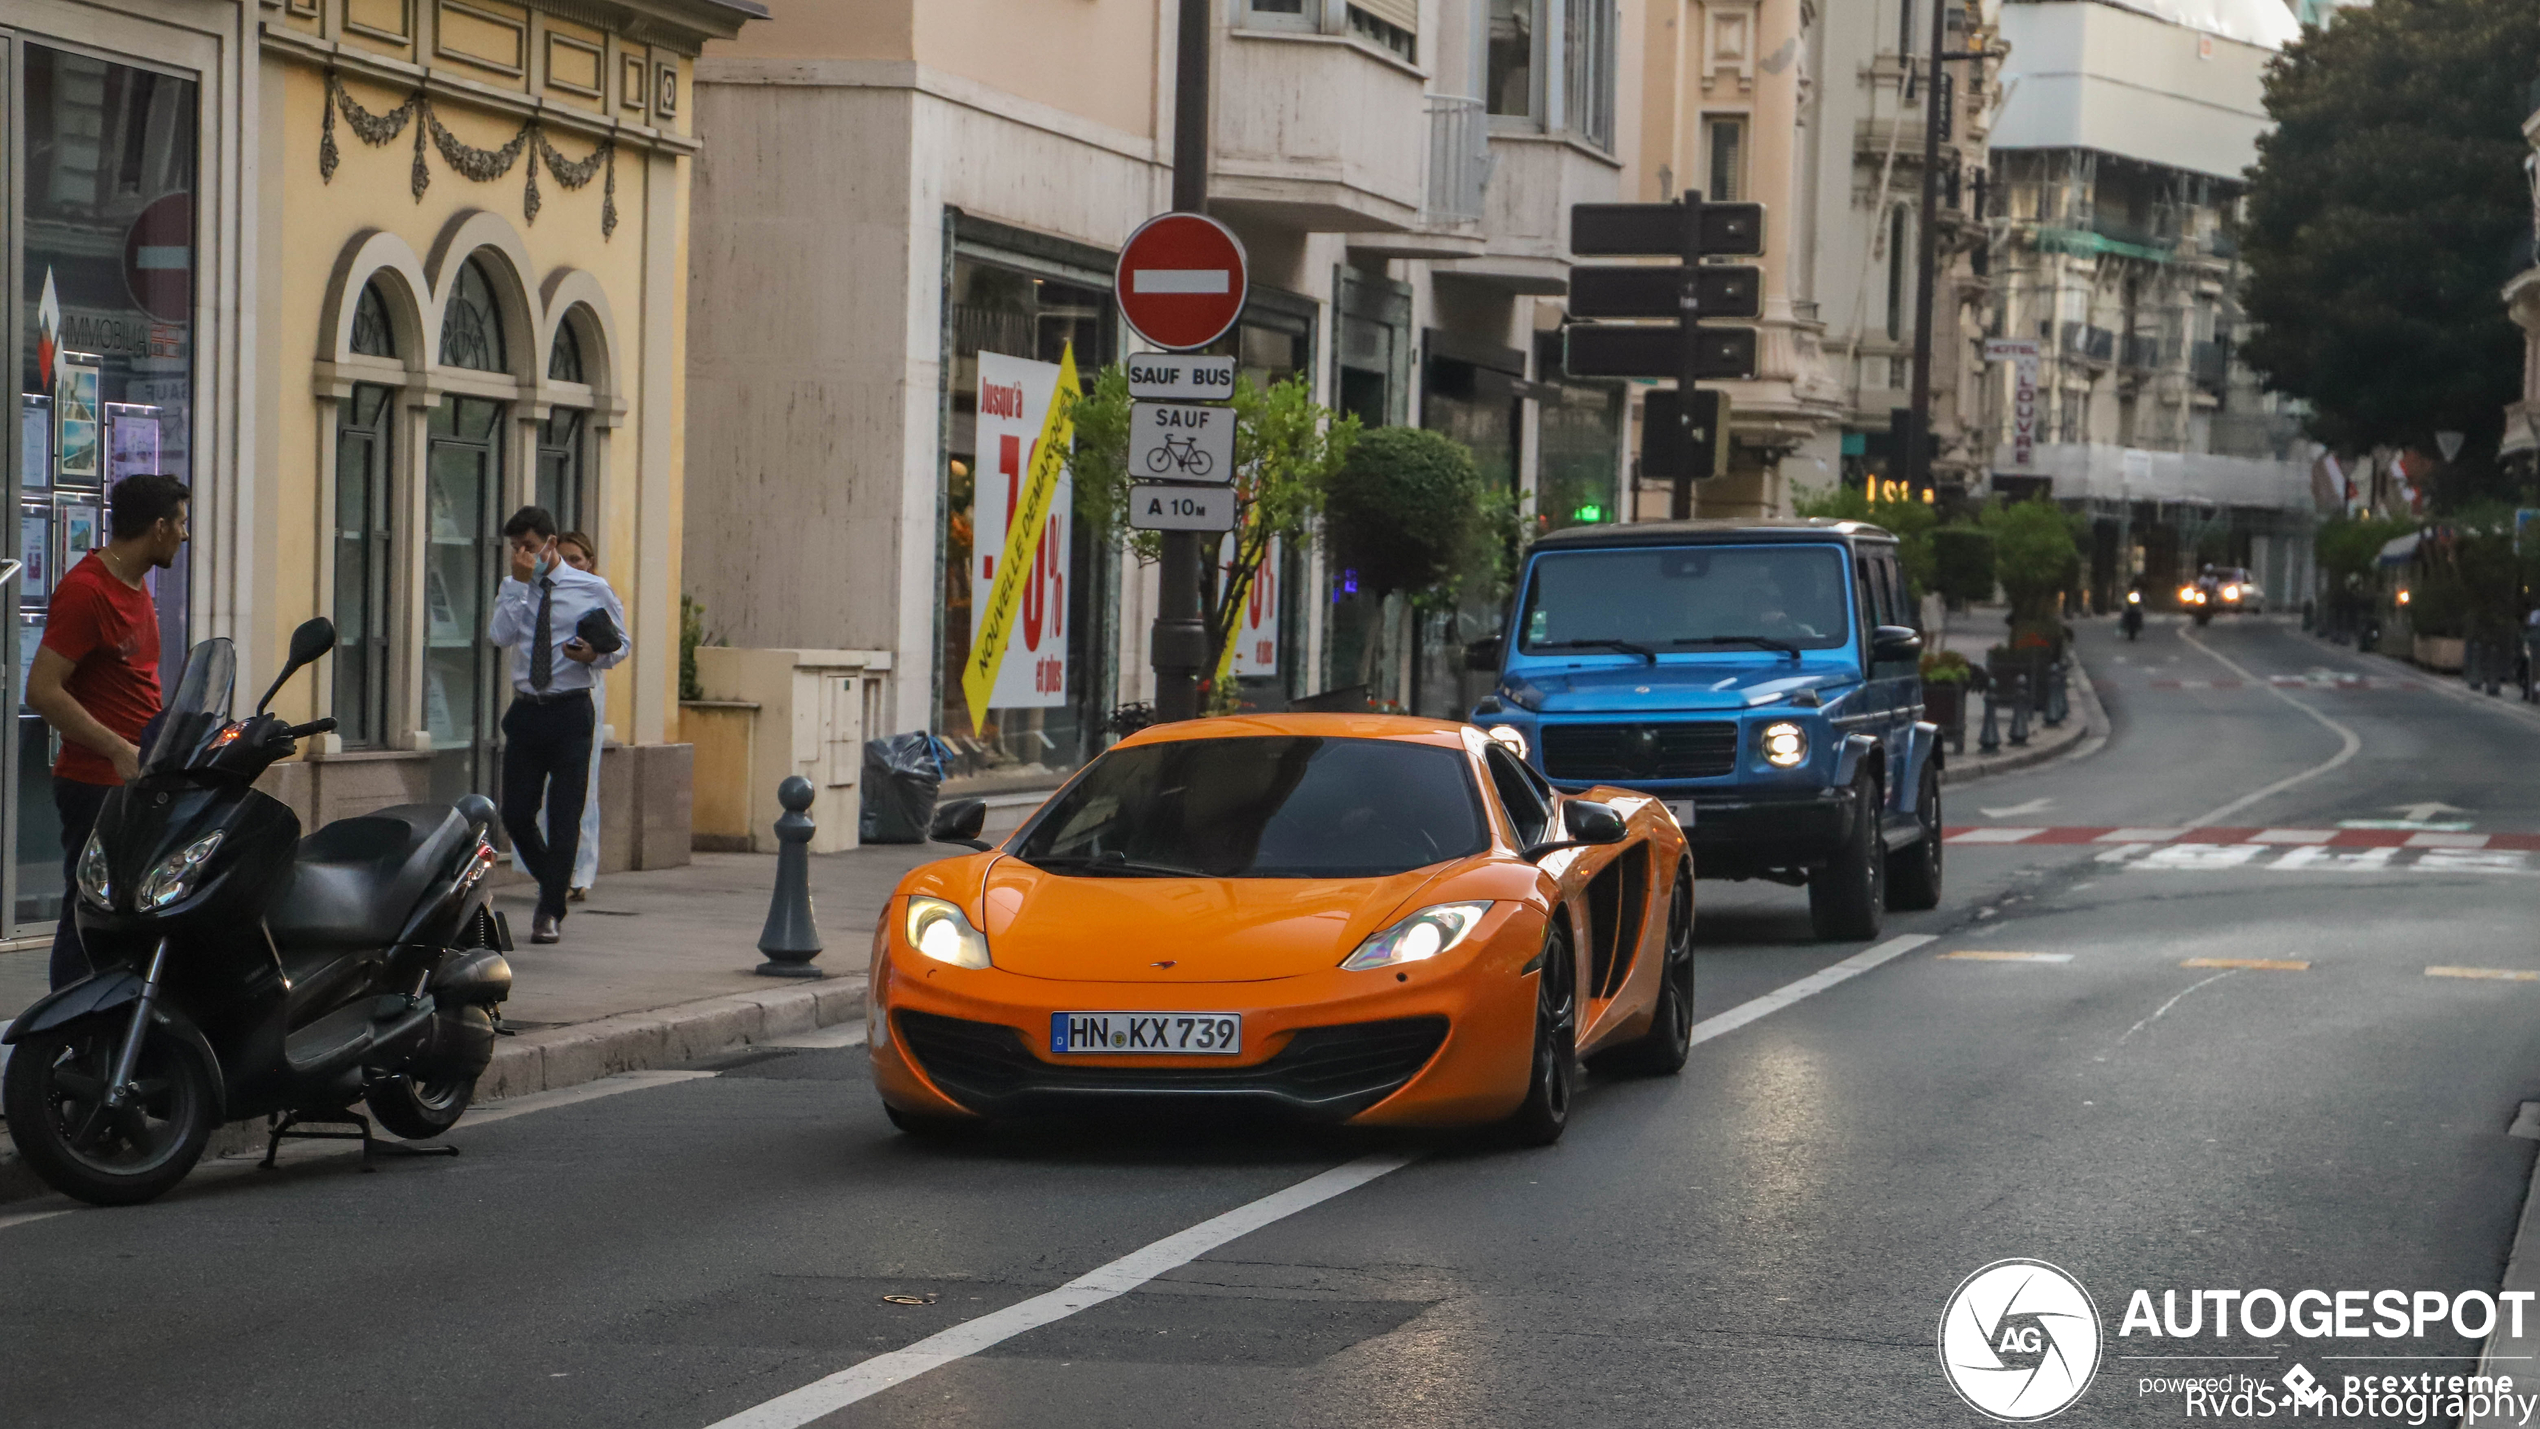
<point>553,1058</point>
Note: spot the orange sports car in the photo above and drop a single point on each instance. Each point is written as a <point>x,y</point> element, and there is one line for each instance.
<point>1347,918</point>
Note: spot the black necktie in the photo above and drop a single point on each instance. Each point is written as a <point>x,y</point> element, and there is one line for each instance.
<point>542,654</point>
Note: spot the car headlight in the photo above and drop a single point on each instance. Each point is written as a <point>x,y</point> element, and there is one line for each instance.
<point>2231,592</point>
<point>938,929</point>
<point>174,877</point>
<point>1418,938</point>
<point>93,883</point>
<point>1515,739</point>
<point>1785,745</point>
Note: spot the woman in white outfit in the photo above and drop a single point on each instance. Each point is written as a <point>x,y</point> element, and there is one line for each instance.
<point>580,553</point>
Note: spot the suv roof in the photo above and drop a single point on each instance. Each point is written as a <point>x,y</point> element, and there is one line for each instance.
<point>1689,533</point>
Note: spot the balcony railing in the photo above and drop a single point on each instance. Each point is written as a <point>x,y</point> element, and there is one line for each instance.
<point>2140,351</point>
<point>1459,159</point>
<point>2091,344</point>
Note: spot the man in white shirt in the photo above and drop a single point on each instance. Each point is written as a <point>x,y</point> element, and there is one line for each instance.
<point>540,615</point>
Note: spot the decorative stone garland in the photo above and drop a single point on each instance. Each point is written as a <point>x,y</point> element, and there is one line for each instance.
<point>480,165</point>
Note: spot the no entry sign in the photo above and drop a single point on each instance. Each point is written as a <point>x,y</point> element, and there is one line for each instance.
<point>1181,280</point>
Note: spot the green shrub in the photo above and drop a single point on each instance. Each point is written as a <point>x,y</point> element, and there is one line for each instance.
<point>2035,560</point>
<point>1946,667</point>
<point>1402,509</point>
<point>1911,522</point>
<point>1962,564</point>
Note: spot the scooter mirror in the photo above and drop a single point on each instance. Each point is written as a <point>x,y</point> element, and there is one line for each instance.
<point>309,644</point>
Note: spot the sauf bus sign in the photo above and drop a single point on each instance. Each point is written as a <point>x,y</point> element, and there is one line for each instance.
<point>2022,354</point>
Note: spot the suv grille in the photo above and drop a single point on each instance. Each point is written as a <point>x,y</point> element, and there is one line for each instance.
<point>1324,1073</point>
<point>1700,749</point>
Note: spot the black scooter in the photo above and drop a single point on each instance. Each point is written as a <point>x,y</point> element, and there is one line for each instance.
<point>243,971</point>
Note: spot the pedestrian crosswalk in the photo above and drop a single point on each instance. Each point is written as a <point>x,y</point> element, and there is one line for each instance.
<point>2339,838</point>
<point>2420,851</point>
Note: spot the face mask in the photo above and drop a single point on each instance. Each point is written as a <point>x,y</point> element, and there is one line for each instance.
<point>546,566</point>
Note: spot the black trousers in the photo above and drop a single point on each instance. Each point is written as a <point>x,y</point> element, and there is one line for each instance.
<point>78,804</point>
<point>547,757</point>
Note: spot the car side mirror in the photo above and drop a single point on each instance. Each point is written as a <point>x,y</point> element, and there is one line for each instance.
<point>959,822</point>
<point>309,644</point>
<point>1896,642</point>
<point>1587,823</point>
<point>1483,654</point>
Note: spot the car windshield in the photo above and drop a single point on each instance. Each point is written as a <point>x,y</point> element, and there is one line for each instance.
<point>198,710</point>
<point>1282,806</point>
<point>1679,598</point>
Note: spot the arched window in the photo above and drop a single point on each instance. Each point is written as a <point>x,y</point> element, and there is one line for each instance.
<point>472,329</point>
<point>564,362</point>
<point>373,334</point>
<point>563,439</point>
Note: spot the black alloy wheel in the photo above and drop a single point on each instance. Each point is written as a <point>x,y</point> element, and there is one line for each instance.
<point>1553,1075</point>
<point>1847,899</point>
<point>1913,874</point>
<point>416,1110</point>
<point>1662,1050</point>
<point>55,1099</point>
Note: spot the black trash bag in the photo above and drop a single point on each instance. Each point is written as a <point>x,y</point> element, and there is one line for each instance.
<point>902,776</point>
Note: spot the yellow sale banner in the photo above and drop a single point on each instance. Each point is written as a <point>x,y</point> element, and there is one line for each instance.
<point>1026,525</point>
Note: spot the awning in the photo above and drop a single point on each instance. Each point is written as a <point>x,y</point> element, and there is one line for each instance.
<point>2400,550</point>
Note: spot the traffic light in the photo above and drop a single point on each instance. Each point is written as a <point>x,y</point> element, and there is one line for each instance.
<point>1669,304</point>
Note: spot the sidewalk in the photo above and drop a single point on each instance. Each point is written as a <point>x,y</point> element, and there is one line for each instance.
<point>1971,633</point>
<point>658,968</point>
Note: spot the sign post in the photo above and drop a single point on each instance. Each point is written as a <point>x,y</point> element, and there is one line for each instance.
<point>1181,283</point>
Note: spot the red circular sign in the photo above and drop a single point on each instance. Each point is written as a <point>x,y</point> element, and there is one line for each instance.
<point>158,258</point>
<point>1181,280</point>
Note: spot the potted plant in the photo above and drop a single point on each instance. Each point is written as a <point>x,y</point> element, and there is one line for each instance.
<point>1946,675</point>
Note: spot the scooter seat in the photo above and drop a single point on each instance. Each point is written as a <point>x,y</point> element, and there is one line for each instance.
<point>358,880</point>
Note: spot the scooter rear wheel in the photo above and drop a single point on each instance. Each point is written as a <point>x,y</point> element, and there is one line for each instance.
<point>415,1111</point>
<point>54,1096</point>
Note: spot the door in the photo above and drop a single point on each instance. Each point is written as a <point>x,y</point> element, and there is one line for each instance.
<point>1899,682</point>
<point>461,678</point>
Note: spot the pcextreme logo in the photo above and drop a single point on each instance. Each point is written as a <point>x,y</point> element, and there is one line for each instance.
<point>2019,1341</point>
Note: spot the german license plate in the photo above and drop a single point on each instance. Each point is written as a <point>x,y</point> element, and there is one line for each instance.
<point>1175,1034</point>
<point>1683,811</point>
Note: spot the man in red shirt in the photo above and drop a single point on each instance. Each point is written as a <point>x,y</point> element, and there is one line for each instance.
<point>96,676</point>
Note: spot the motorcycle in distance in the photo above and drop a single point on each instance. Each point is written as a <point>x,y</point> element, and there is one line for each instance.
<point>2132,620</point>
<point>243,971</point>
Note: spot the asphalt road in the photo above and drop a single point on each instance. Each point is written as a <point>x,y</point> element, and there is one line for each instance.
<point>1769,1238</point>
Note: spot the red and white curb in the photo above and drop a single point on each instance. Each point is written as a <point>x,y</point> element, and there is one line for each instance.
<point>2335,838</point>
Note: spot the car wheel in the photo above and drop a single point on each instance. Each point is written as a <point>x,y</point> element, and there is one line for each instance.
<point>1552,1075</point>
<point>1847,898</point>
<point>1913,874</point>
<point>1661,1051</point>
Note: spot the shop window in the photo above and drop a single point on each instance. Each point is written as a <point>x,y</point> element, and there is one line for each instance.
<point>472,329</point>
<point>1577,481</point>
<point>104,163</point>
<point>463,481</point>
<point>365,533</point>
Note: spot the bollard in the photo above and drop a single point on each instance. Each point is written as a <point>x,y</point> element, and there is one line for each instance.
<point>2019,708</point>
<point>790,939</point>
<point>2057,706</point>
<point>1989,738</point>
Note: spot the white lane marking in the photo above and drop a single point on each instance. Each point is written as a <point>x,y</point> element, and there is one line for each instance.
<point>2447,840</point>
<point>1993,836</point>
<point>1745,1012</point>
<point>2489,974</point>
<point>504,1110</point>
<point>2130,836</point>
<point>1981,955</point>
<point>870,1377</point>
<point>2361,860</point>
<point>867,1378</point>
<point>844,1034</point>
<point>2158,1012</point>
<point>2353,743</point>
<point>2292,836</point>
<point>2031,807</point>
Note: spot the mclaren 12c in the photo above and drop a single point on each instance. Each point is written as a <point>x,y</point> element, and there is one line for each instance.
<point>1341,918</point>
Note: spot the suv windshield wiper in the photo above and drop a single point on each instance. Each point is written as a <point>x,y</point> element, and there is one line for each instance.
<point>1765,642</point>
<point>1106,863</point>
<point>1626,646</point>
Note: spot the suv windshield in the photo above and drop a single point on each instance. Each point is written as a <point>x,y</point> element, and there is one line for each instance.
<point>1660,598</point>
<point>1283,806</point>
<point>198,709</point>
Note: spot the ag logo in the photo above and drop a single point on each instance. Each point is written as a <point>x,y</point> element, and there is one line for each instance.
<point>2019,1340</point>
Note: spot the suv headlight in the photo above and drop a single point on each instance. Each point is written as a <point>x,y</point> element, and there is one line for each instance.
<point>940,931</point>
<point>93,883</point>
<point>1418,938</point>
<point>1785,745</point>
<point>175,875</point>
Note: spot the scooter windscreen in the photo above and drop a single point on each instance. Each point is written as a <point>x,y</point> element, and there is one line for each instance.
<point>199,710</point>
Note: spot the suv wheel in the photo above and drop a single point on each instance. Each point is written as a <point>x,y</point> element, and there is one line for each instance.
<point>1913,876</point>
<point>1847,899</point>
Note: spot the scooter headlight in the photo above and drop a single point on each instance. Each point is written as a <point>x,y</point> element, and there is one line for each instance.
<point>176,874</point>
<point>93,883</point>
<point>940,931</point>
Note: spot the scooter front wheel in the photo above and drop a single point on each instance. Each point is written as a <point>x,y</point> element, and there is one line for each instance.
<point>56,1102</point>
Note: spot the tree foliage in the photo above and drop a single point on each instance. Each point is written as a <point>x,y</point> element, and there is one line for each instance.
<point>2387,208</point>
<point>1962,563</point>
<point>1287,447</point>
<point>1912,523</point>
<point>2035,560</point>
<point>1404,510</point>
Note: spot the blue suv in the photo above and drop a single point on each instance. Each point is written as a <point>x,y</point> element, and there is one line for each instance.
<point>1763,678</point>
